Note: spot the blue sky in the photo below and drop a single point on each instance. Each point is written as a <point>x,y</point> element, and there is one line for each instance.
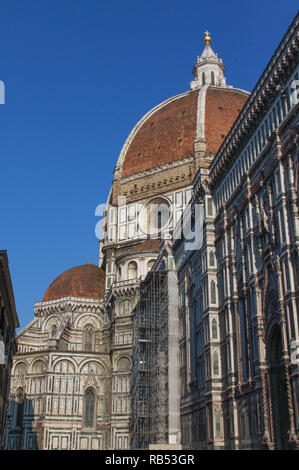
<point>79,74</point>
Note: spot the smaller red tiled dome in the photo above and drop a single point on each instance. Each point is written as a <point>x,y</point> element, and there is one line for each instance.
<point>86,281</point>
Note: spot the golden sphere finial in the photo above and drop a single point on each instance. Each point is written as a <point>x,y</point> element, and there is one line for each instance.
<point>207,38</point>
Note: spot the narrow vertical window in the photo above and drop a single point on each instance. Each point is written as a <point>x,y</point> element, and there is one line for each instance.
<point>274,112</point>
<point>287,276</point>
<point>215,363</point>
<point>283,106</point>
<point>88,338</point>
<point>267,128</point>
<point>278,186</point>
<point>132,270</point>
<point>212,78</point>
<point>89,408</point>
<point>210,424</point>
<point>214,329</point>
<point>278,109</point>
<point>263,135</point>
<point>259,141</point>
<point>213,292</point>
<point>20,407</point>
<point>255,146</point>
<point>282,231</point>
<point>218,425</point>
<point>210,207</point>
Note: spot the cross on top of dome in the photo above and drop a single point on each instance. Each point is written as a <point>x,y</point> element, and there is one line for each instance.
<point>207,39</point>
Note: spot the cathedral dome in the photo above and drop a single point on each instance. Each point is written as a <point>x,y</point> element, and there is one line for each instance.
<point>86,281</point>
<point>169,132</point>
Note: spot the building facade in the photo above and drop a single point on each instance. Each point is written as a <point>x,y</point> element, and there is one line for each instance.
<point>239,291</point>
<point>68,389</point>
<point>235,252</point>
<point>8,344</point>
<point>192,316</point>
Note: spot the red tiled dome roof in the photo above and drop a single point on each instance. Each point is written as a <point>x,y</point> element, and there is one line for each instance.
<point>223,106</point>
<point>86,281</point>
<point>167,133</point>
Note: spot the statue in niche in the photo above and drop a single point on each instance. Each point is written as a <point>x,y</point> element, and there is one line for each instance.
<point>264,215</point>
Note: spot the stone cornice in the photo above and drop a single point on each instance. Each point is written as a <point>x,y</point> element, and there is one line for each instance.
<point>256,177</point>
<point>120,288</point>
<point>163,186</point>
<point>267,88</point>
<point>152,171</point>
<point>69,304</point>
<point>145,253</point>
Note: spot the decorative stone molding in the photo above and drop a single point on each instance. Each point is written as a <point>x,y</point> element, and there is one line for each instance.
<point>259,101</point>
<point>153,171</point>
<point>123,288</point>
<point>218,408</point>
<point>69,304</point>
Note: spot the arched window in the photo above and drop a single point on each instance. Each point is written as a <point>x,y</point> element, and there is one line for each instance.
<point>212,78</point>
<point>158,216</point>
<point>20,406</point>
<point>119,273</point>
<point>88,338</point>
<point>20,369</point>
<point>150,264</point>
<point>212,259</point>
<point>89,408</point>
<point>123,364</point>
<point>132,270</point>
<point>203,78</point>
<point>38,367</point>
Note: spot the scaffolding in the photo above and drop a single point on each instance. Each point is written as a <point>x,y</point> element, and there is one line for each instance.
<point>149,384</point>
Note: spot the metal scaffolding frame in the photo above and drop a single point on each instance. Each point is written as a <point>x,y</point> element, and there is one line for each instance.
<point>149,382</point>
